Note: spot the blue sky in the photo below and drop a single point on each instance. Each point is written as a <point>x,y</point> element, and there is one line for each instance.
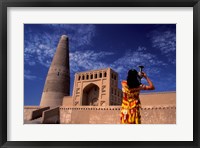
<point>95,46</point>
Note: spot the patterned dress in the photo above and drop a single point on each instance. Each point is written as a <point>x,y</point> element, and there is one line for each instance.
<point>130,110</point>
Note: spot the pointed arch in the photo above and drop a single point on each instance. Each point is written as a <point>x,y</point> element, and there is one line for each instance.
<point>91,95</point>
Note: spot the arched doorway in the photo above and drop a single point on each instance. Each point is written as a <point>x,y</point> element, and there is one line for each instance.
<point>91,95</point>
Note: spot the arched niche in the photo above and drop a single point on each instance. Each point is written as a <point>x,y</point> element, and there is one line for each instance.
<point>90,95</point>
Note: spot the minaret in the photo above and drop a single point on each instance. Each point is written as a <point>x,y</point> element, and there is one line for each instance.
<point>57,84</point>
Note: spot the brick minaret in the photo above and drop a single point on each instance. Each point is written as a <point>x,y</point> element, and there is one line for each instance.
<point>57,84</point>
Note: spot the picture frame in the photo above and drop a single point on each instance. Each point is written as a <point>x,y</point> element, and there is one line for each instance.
<point>101,3</point>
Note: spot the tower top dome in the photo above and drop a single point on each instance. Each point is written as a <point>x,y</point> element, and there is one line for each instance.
<point>64,36</point>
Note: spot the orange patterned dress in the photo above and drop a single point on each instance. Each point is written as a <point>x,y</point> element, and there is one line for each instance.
<point>130,110</point>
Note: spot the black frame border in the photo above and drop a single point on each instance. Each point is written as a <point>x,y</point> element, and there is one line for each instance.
<point>99,3</point>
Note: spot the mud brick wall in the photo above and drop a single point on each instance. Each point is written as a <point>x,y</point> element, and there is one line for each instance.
<point>89,115</point>
<point>111,115</point>
<point>51,116</point>
<point>28,111</point>
<point>158,115</point>
<point>157,108</point>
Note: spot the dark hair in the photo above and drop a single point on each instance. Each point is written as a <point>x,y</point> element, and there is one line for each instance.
<point>133,80</point>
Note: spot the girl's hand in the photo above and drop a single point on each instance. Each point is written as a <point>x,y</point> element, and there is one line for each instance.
<point>144,75</point>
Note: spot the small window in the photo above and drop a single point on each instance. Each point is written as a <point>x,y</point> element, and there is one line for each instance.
<point>114,77</point>
<point>79,77</point>
<point>105,74</point>
<point>87,77</point>
<point>100,75</point>
<point>83,77</point>
<point>58,74</point>
<point>91,76</point>
<point>95,76</point>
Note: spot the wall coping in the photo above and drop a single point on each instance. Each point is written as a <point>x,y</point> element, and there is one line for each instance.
<point>163,92</point>
<point>94,70</point>
<point>114,107</point>
<point>33,107</point>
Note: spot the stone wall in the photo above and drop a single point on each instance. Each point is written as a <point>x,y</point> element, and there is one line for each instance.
<point>38,113</point>
<point>51,116</point>
<point>157,108</point>
<point>28,111</point>
<point>89,115</point>
<point>67,100</point>
<point>111,115</point>
<point>158,98</point>
<point>158,115</point>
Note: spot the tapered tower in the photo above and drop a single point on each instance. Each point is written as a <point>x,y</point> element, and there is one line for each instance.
<point>57,84</point>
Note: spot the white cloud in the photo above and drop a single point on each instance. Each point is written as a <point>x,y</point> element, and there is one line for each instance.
<point>133,58</point>
<point>79,35</point>
<point>164,39</point>
<point>32,63</point>
<point>88,60</point>
<point>28,75</point>
<point>40,46</point>
<point>140,48</point>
